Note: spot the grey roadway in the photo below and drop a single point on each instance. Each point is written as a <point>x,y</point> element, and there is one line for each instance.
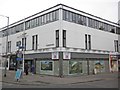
<point>107,80</point>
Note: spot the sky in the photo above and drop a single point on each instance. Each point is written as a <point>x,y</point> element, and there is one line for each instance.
<point>19,9</point>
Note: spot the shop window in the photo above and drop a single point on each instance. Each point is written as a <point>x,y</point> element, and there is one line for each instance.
<point>47,65</point>
<point>76,67</point>
<point>99,66</point>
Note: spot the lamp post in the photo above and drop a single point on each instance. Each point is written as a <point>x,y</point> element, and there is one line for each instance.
<point>23,45</point>
<point>1,55</point>
<point>6,42</point>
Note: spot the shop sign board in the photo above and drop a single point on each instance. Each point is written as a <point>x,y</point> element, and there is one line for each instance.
<point>66,55</point>
<point>19,59</point>
<point>55,55</point>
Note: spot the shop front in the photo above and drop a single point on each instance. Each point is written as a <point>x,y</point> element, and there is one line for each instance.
<point>45,67</point>
<point>113,63</point>
<point>44,64</point>
<point>77,67</point>
<point>67,63</point>
<point>88,64</point>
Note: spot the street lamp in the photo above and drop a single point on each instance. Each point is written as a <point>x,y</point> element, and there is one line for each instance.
<point>23,45</point>
<point>6,42</point>
<point>24,35</point>
<point>1,55</point>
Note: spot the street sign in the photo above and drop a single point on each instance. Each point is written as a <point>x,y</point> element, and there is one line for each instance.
<point>66,55</point>
<point>55,55</point>
<point>21,47</point>
<point>19,59</point>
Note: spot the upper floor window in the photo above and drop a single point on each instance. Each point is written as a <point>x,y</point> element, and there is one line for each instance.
<point>64,38</point>
<point>57,38</point>
<point>34,42</point>
<point>74,17</point>
<point>112,29</point>
<point>5,33</point>
<point>24,43</point>
<point>9,46</point>
<point>18,43</point>
<point>118,30</point>
<point>87,41</point>
<point>34,22</point>
<point>116,45</point>
<point>13,30</point>
<point>1,33</point>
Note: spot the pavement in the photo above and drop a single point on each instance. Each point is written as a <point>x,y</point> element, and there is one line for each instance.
<point>37,79</point>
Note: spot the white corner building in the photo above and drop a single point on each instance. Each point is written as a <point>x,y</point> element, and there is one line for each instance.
<point>62,41</point>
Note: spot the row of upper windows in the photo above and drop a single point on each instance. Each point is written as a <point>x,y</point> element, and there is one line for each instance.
<point>73,17</point>
<point>38,21</point>
<point>44,19</point>
<point>67,16</point>
<point>86,21</point>
<point>101,25</point>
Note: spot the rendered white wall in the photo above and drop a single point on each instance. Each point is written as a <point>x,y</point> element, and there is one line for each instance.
<point>3,45</point>
<point>75,36</point>
<point>101,40</point>
<point>119,11</point>
<point>0,46</point>
<point>119,42</point>
<point>46,35</point>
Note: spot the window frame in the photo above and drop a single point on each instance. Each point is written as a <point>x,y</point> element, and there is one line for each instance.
<point>64,38</point>
<point>57,38</point>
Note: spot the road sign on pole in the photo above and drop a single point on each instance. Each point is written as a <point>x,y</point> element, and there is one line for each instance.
<point>19,59</point>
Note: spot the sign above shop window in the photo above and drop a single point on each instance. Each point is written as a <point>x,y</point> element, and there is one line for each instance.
<point>55,55</point>
<point>66,55</point>
<point>113,57</point>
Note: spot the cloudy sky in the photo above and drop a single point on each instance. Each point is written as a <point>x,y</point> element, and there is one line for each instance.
<point>19,9</point>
